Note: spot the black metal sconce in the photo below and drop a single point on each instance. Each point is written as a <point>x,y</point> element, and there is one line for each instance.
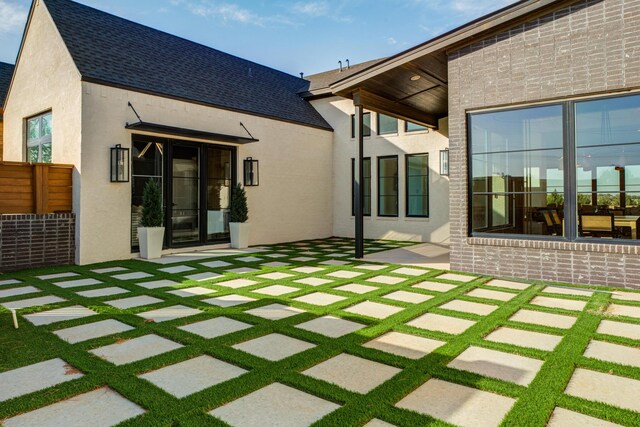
<point>251,172</point>
<point>119,164</point>
<point>444,162</point>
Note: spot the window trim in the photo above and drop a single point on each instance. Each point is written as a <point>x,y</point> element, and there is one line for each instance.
<point>406,185</point>
<point>353,176</point>
<point>378,125</point>
<point>40,143</point>
<point>395,156</point>
<point>364,127</point>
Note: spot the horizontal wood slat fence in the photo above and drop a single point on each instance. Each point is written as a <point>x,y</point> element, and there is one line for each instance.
<point>35,188</point>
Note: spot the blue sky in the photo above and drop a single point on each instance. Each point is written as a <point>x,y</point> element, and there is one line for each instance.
<point>290,35</point>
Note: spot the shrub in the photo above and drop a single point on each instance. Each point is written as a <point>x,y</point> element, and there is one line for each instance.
<point>151,205</point>
<point>239,212</point>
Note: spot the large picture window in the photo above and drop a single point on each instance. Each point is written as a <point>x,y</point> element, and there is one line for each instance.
<point>39,129</point>
<point>366,125</point>
<point>417,186</point>
<point>388,186</point>
<point>366,185</point>
<point>569,170</point>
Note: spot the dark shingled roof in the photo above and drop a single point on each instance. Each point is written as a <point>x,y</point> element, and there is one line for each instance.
<point>114,51</point>
<point>324,80</point>
<point>6,71</point>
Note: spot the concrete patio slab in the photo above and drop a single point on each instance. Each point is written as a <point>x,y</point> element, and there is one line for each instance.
<point>566,304</point>
<point>524,338</point>
<point>498,283</point>
<point>214,328</point>
<point>275,405</point>
<point>249,259</point>
<point>307,270</point>
<point>133,350</point>
<point>274,347</point>
<point>344,274</point>
<point>276,290</point>
<point>313,281</point>
<point>242,270</point>
<point>131,302</point>
<point>435,286</point>
<point>201,277</point>
<point>275,276</point>
<point>357,289</point>
<point>98,408</point>
<point>615,353</point>
<point>237,283</point>
<point>624,310</point>
<point>169,313</point>
<point>457,277</point>
<point>457,404</point>
<point>59,315</point>
<point>90,331</point>
<point>564,418</point>
<point>371,267</point>
<point>620,329</point>
<point>156,284</point>
<point>13,292</point>
<point>176,269</point>
<point>330,326</point>
<point>39,376</point>
<point>409,297</point>
<point>276,255</point>
<point>427,255</point>
<point>192,376</point>
<point>489,294</point>
<point>334,262</point>
<point>407,271</point>
<point>32,302</point>
<point>600,387</point>
<point>77,283</point>
<point>228,300</point>
<point>104,292</point>
<point>191,292</point>
<point>133,275</point>
<point>626,296</point>
<point>378,423</point>
<point>274,311</point>
<point>275,264</point>
<point>50,277</point>
<point>303,259</point>
<point>469,307</point>
<point>320,298</point>
<point>567,291</point>
<point>544,319</point>
<point>386,280</point>
<point>109,270</point>
<point>405,345</point>
<point>374,309</point>
<point>440,323</point>
<point>215,264</point>
<point>497,364</point>
<point>352,373</point>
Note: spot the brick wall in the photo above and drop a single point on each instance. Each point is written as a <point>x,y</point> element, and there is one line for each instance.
<point>589,48</point>
<point>30,241</point>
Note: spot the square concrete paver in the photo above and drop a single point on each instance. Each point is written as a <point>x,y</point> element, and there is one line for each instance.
<point>456,277</point>
<point>307,270</point>
<point>320,298</point>
<point>303,259</point>
<point>275,276</point>
<point>410,297</point>
<point>249,259</point>
<point>109,270</point>
<point>330,326</point>
<point>59,315</point>
<point>98,408</point>
<point>352,373</point>
<point>13,292</point>
<point>371,267</point>
<point>242,270</point>
<point>228,300</point>
<point>215,264</point>
<point>275,405</point>
<point>334,262</point>
<point>567,291</point>
<point>276,290</point>
<point>131,302</point>
<point>440,323</point>
<point>77,283</point>
<point>405,345</point>
<point>155,284</point>
<point>457,404</point>
<point>435,286</point>
<point>90,331</point>
<point>614,353</point>
<point>357,289</point>
<point>214,328</point>
<point>176,269</point>
<point>274,347</point>
<point>544,319</point>
<point>53,276</point>
<point>564,418</point>
<point>344,274</point>
<point>237,283</point>
<point>600,387</point>
<point>497,364</point>
<point>620,329</point>
<point>274,311</point>
<point>410,271</point>
<point>202,277</point>
<point>626,296</point>
<point>191,292</point>
<point>624,310</point>
<point>489,294</point>
<point>313,281</point>
<point>566,304</point>
<point>32,302</point>
<point>374,309</point>
<point>522,338</point>
<point>469,307</point>
<point>39,376</point>
<point>506,284</point>
<point>386,280</point>
<point>104,292</point>
<point>131,276</point>
<point>275,264</point>
<point>133,350</point>
<point>169,313</point>
<point>193,375</point>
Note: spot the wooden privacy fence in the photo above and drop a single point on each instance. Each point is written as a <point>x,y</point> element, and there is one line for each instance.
<point>35,188</point>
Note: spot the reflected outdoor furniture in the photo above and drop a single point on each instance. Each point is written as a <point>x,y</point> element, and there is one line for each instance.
<point>552,221</point>
<point>628,221</point>
<point>598,226</point>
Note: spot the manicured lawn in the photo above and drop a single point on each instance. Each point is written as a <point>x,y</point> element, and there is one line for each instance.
<point>302,333</point>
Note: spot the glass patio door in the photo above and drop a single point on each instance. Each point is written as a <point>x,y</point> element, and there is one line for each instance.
<point>219,181</point>
<point>185,194</point>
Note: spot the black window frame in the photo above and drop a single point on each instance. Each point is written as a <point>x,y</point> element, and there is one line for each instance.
<point>364,126</point>
<point>570,147</point>
<point>397,183</point>
<point>378,125</point>
<point>353,179</point>
<point>406,185</point>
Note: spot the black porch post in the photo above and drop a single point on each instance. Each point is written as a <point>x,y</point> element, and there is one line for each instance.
<point>358,193</point>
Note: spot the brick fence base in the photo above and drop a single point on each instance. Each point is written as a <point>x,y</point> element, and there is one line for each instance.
<point>29,241</point>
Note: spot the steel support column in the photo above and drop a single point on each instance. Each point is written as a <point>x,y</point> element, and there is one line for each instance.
<point>358,193</point>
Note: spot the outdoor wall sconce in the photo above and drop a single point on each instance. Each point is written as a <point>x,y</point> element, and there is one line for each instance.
<point>250,172</point>
<point>119,164</point>
<point>444,162</point>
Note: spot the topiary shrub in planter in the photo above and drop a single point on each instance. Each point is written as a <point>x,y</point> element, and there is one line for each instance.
<point>238,217</point>
<point>151,230</point>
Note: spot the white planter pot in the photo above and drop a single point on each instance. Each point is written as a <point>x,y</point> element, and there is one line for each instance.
<point>151,239</point>
<point>239,235</point>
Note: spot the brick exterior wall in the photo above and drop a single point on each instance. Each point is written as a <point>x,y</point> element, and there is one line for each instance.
<point>589,48</point>
<point>30,241</point>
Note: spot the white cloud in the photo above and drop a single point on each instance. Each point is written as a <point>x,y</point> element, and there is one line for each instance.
<point>12,16</point>
<point>230,12</point>
<point>391,41</point>
<point>312,8</point>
